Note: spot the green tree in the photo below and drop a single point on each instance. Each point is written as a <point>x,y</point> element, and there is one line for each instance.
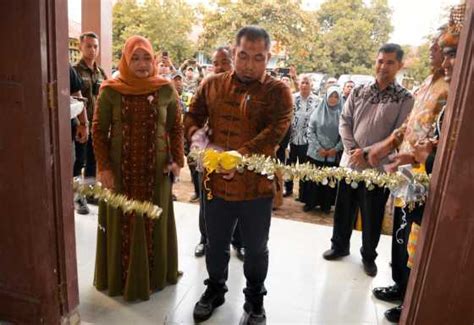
<point>417,62</point>
<point>294,30</point>
<point>352,31</point>
<point>166,23</point>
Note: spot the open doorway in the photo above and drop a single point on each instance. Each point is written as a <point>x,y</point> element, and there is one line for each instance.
<point>39,281</point>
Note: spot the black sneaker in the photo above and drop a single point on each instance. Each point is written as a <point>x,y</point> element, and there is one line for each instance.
<point>333,254</point>
<point>240,253</point>
<point>80,204</point>
<point>393,314</point>
<point>200,250</point>
<point>370,267</point>
<point>390,294</point>
<point>210,300</point>
<point>254,315</point>
<point>92,200</point>
<point>194,198</point>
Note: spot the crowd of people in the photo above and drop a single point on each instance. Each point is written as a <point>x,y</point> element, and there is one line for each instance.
<point>149,114</point>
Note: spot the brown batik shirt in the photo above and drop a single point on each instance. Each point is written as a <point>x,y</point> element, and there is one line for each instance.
<point>250,118</point>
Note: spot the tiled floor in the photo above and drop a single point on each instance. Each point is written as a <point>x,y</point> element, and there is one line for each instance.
<point>303,288</point>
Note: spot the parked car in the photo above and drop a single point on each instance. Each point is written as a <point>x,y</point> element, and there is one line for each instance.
<point>359,79</point>
<point>319,80</point>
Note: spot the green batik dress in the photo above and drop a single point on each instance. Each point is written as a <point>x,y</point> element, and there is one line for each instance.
<point>136,255</point>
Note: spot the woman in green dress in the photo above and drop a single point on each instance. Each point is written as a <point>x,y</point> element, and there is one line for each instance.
<point>138,142</point>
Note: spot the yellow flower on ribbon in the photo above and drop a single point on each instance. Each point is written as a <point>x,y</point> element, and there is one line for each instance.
<point>399,202</point>
<point>211,160</point>
<point>230,159</point>
<point>214,160</point>
<point>420,169</point>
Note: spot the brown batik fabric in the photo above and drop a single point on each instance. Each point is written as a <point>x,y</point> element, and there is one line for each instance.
<point>251,118</point>
<point>139,127</point>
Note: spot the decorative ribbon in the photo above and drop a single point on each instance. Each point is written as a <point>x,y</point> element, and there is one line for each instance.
<point>407,189</point>
<point>115,200</point>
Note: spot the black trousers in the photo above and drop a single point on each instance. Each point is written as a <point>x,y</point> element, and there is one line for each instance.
<point>73,137</point>
<point>195,179</point>
<point>236,237</point>
<point>318,194</point>
<point>297,153</point>
<point>400,270</point>
<point>280,154</point>
<point>372,207</point>
<point>254,218</point>
<point>84,158</point>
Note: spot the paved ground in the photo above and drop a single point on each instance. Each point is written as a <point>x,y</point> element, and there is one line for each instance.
<point>303,288</point>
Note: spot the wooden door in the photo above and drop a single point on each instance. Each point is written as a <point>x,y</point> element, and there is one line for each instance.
<point>38,277</point>
<point>441,287</point>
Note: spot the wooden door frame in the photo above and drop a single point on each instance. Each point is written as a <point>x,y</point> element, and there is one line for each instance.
<point>40,286</point>
<point>439,290</point>
<point>61,144</point>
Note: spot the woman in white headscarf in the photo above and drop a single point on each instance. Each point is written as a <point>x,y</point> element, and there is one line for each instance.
<point>324,147</point>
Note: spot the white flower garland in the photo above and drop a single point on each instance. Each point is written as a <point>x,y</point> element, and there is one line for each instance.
<point>115,200</point>
<point>409,190</point>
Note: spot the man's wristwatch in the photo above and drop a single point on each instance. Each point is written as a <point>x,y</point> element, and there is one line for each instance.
<point>366,153</point>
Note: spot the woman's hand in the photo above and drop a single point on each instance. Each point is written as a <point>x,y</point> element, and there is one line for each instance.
<point>106,177</point>
<point>423,150</point>
<point>399,160</point>
<point>331,153</point>
<point>174,169</point>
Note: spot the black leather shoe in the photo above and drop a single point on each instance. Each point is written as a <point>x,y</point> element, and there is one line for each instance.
<point>307,208</point>
<point>200,250</point>
<point>80,204</point>
<point>332,254</point>
<point>240,253</point>
<point>254,316</point>
<point>370,268</point>
<point>287,194</point>
<point>92,200</point>
<point>391,293</point>
<point>326,210</point>
<point>393,314</point>
<point>209,301</point>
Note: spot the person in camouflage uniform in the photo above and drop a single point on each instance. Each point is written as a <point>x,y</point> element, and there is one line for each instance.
<point>92,76</point>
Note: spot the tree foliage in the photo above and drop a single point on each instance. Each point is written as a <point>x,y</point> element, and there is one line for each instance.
<point>351,33</point>
<point>166,23</point>
<point>342,36</point>
<point>294,30</point>
<point>418,62</point>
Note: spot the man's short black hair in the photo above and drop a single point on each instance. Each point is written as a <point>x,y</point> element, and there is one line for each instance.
<point>88,34</point>
<point>253,33</point>
<point>349,82</point>
<point>392,48</point>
